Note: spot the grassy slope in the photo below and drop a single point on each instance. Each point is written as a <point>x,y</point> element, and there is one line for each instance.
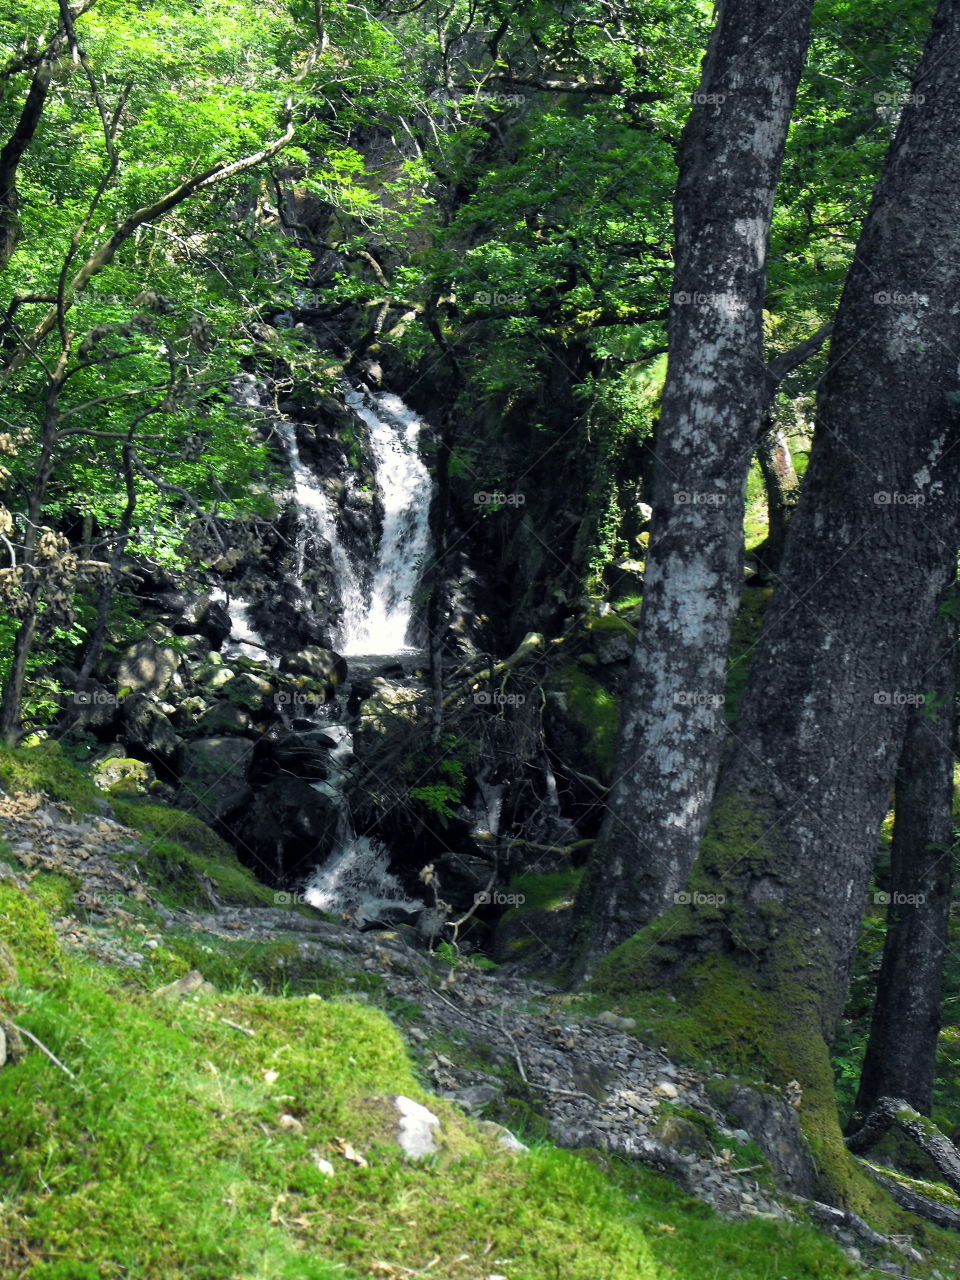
<point>165,1157</point>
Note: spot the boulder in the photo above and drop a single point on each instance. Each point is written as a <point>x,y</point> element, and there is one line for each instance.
<point>209,619</point>
<point>147,667</point>
<point>289,825</point>
<point>212,676</point>
<point>249,691</point>
<point>221,718</point>
<point>122,776</point>
<point>146,727</point>
<point>319,664</point>
<point>772,1123</point>
<point>305,755</point>
<point>213,776</point>
<point>390,709</point>
<point>94,708</point>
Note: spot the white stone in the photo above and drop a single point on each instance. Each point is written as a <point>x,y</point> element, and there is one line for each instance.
<point>417,1125</point>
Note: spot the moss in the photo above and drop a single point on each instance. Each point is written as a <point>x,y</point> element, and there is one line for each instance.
<point>544,892</point>
<point>56,892</point>
<point>181,852</point>
<point>592,712</point>
<point>173,824</point>
<point>45,768</point>
<point>26,930</point>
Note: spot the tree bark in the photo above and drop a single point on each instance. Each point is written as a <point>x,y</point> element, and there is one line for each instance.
<point>900,1061</point>
<point>713,401</point>
<point>767,939</point>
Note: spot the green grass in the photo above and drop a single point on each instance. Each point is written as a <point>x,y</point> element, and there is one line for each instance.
<point>164,1158</point>
<point>45,767</point>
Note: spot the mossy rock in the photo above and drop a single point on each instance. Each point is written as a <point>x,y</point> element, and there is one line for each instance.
<point>581,719</point>
<point>537,930</point>
<point>173,824</point>
<point>124,776</point>
<point>611,638</point>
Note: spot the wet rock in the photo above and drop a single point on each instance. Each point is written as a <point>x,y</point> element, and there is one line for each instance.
<point>319,664</point>
<point>212,774</point>
<point>207,618</point>
<point>289,825</point>
<point>305,755</point>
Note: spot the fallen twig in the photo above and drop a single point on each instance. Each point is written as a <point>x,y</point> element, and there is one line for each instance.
<point>43,1049</point>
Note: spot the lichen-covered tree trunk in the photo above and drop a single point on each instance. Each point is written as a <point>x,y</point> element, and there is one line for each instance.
<point>713,400</point>
<point>901,1053</point>
<point>764,947</point>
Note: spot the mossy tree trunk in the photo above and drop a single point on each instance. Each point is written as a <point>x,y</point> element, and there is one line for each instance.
<point>762,948</point>
<point>900,1061</point>
<point>713,401</point>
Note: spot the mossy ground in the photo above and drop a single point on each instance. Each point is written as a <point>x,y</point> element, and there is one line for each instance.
<point>47,768</point>
<point>165,1156</point>
<point>180,851</point>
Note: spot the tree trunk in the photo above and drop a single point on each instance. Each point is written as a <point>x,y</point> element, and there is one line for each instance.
<point>23,641</point>
<point>901,1053</point>
<point>782,487</point>
<point>763,949</point>
<point>713,401</point>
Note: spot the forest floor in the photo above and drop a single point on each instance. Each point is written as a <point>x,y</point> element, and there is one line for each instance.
<point>235,1128</point>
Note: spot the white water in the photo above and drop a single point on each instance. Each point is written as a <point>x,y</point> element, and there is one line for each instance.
<point>405,486</point>
<point>354,879</point>
<point>315,510</point>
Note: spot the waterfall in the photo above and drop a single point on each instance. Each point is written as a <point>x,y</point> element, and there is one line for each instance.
<point>355,878</point>
<point>315,510</point>
<point>405,487</point>
<point>378,624</point>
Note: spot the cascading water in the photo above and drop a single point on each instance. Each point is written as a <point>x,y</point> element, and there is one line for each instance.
<point>315,510</point>
<point>405,486</point>
<point>355,879</point>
